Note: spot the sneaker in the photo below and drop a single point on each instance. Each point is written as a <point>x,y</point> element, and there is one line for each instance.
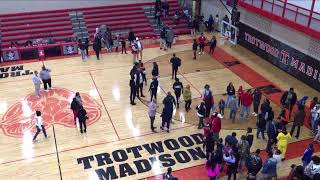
<point>133,104</point>
<point>199,53</point>
<point>34,141</point>
<point>81,131</point>
<point>168,131</point>
<point>85,131</point>
<point>161,127</point>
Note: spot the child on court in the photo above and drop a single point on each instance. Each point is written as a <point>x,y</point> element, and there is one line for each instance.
<point>39,126</point>
<point>221,106</point>
<point>123,46</point>
<point>116,42</point>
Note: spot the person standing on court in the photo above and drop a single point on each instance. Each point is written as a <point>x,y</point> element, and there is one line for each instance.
<point>208,99</point>
<point>152,110</point>
<point>75,107</point>
<point>283,140</point>
<point>97,46</point>
<point>140,48</point>
<point>39,126</point>
<point>170,37</point>
<point>133,90</point>
<point>167,112</point>
<point>153,89</point>
<point>177,87</point>
<point>202,39</point>
<point>140,82</point>
<point>45,77</point>
<point>155,70</point>
<point>246,101</point>
<point>298,120</point>
<point>201,112</point>
<point>78,98</point>
<point>195,48</point>
<point>230,93</point>
<point>86,46</point>
<point>163,43</point>
<point>288,100</point>
<point>82,116</point>
<point>213,44</point>
<point>187,97</point>
<point>176,63</point>
<point>256,101</point>
<point>36,81</point>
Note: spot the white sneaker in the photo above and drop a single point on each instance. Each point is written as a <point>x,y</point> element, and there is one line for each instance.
<point>253,113</point>
<point>199,53</point>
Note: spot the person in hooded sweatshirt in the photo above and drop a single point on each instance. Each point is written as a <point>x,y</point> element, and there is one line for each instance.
<point>177,87</point>
<point>153,89</point>
<point>169,103</point>
<point>155,70</point>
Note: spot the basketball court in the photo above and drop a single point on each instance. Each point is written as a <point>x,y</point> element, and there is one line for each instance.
<point>119,142</point>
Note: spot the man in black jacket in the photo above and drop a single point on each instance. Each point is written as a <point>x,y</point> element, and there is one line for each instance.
<point>133,90</point>
<point>153,89</point>
<point>177,87</point>
<point>176,63</point>
<point>82,116</point>
<point>288,100</point>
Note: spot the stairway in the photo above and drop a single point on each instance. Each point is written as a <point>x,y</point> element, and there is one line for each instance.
<point>149,11</point>
<point>79,27</point>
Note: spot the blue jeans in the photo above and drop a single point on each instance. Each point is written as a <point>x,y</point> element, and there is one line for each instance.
<point>260,131</point>
<point>212,177</point>
<point>244,109</point>
<point>229,98</point>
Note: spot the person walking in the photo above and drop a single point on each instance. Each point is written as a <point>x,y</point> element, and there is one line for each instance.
<point>155,70</point>
<point>256,101</point>
<point>97,46</point>
<point>170,37</point>
<point>36,81</point>
<point>253,164</point>
<point>153,89</point>
<point>86,46</point>
<point>195,48</point>
<point>208,99</point>
<point>163,35</point>
<point>167,112</point>
<point>269,168</point>
<point>78,98</point>
<point>187,97</point>
<point>175,64</point>
<point>230,93</point>
<point>244,151</point>
<point>133,90</point>
<point>123,46</point>
<point>177,87</point>
<point>261,125</point>
<point>298,120</point>
<point>152,110</point>
<point>272,134</point>
<point>233,105</point>
<point>202,39</point>
<point>75,107</point>
<point>288,100</point>
<point>283,140</point>
<point>201,112</point>
<point>45,77</point>
<point>39,126</point>
<point>82,116</point>
<point>82,49</point>
<point>140,48</point>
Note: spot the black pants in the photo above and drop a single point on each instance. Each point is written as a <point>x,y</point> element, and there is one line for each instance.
<point>201,47</point>
<point>166,121</point>
<point>144,78</point>
<point>87,51</point>
<point>169,44</point>
<point>83,124</point>
<point>178,94</point>
<point>38,131</point>
<point>133,94</point>
<point>97,54</point>
<point>151,122</point>
<point>153,93</point>
<point>271,141</point>
<point>256,107</point>
<point>174,72</point>
<point>208,109</point>
<point>234,175</point>
<point>211,49</point>
<point>187,105</point>
<point>194,54</point>
<point>140,88</point>
<point>298,131</point>
<point>46,83</point>
<point>123,48</point>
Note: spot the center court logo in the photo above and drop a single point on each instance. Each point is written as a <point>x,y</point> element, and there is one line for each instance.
<point>55,108</point>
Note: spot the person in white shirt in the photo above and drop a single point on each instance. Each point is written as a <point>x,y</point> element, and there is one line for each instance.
<point>140,48</point>
<point>152,110</point>
<point>36,81</point>
<point>39,126</point>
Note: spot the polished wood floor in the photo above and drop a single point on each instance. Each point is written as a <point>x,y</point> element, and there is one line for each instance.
<point>115,124</point>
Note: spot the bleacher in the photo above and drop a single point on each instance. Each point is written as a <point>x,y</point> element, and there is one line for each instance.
<point>56,24</point>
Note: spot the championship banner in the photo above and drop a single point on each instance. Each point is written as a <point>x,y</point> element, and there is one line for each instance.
<point>10,55</point>
<point>69,49</point>
<point>290,60</point>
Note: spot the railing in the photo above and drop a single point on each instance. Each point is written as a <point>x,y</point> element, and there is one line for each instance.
<point>300,18</point>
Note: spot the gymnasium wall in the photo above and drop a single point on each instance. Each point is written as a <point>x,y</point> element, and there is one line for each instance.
<point>289,50</point>
<point>213,7</point>
<point>15,6</point>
